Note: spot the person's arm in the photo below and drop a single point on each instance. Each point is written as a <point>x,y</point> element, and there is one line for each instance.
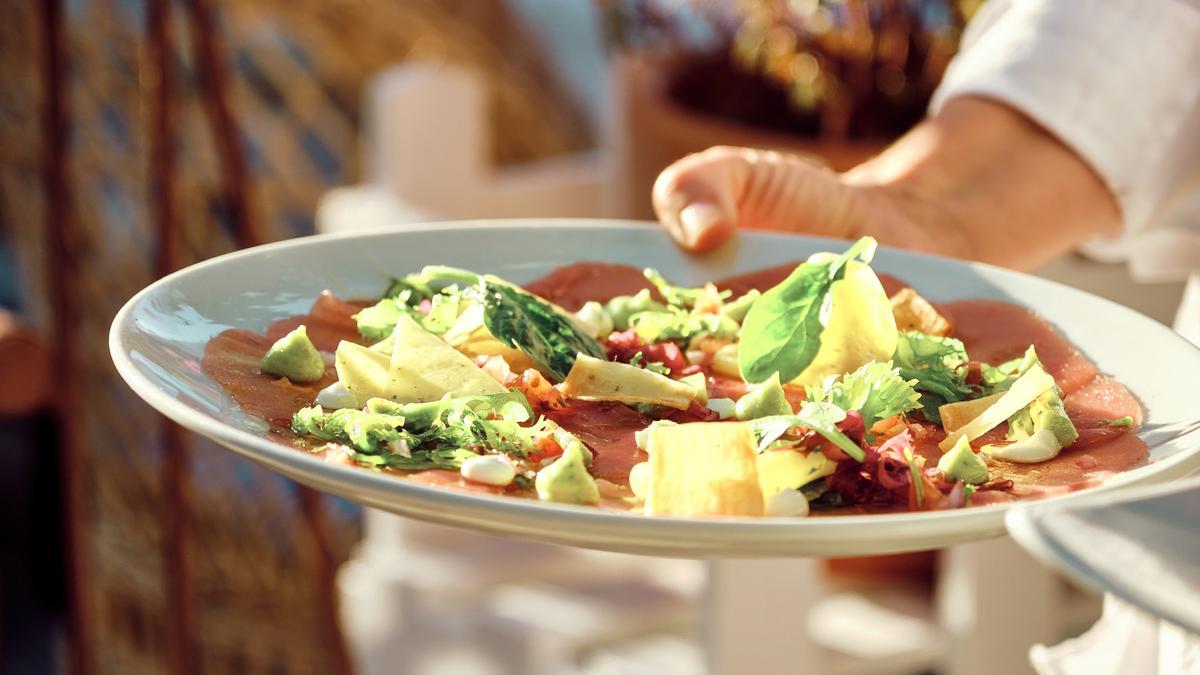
<point>1058,123</point>
<point>984,182</point>
<point>978,180</point>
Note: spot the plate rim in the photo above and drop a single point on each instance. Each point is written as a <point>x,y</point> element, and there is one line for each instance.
<point>358,480</point>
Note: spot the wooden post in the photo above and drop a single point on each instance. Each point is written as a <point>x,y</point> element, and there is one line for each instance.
<point>159,80</point>
<point>214,81</point>
<point>61,273</point>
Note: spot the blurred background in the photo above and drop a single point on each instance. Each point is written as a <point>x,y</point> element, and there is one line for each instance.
<point>140,136</point>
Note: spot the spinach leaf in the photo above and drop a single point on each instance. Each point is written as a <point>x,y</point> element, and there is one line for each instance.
<point>525,322</point>
<point>782,331</point>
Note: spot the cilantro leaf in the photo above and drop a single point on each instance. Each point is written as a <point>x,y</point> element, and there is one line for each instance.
<point>822,418</point>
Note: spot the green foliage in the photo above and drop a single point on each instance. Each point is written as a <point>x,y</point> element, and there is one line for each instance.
<point>938,365</point>
<point>876,390</point>
<point>438,434</point>
<point>822,418</point>
<point>782,331</point>
<point>678,325</point>
<point>528,323</point>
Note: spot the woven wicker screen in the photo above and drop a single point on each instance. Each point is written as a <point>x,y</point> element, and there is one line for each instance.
<point>296,70</point>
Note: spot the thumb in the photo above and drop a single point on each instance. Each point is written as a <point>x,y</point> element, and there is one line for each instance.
<point>703,198</point>
<point>696,204</point>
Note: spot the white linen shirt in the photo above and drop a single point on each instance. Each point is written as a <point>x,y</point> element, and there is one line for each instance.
<point>1119,82</point>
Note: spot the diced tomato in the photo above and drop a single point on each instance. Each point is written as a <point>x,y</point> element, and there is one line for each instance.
<point>667,353</point>
<point>547,448</point>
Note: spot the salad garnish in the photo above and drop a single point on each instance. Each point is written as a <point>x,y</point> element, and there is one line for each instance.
<point>821,392</point>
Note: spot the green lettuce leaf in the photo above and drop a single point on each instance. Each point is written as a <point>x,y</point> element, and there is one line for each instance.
<point>938,365</point>
<point>526,322</point>
<point>677,325</point>
<point>677,296</point>
<point>433,432</point>
<point>876,390</point>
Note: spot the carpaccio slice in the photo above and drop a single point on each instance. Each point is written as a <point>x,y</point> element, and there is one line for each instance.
<point>992,331</point>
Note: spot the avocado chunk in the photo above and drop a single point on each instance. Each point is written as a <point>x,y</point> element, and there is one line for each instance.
<point>962,464</point>
<point>567,480</point>
<point>293,356</point>
<point>622,307</point>
<point>1045,412</point>
<point>764,400</point>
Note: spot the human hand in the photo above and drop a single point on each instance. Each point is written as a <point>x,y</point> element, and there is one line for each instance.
<point>703,198</point>
<point>978,180</point>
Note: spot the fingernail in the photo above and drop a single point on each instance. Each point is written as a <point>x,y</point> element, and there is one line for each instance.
<point>697,219</point>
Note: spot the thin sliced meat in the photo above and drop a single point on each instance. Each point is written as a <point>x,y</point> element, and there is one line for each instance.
<point>759,280</point>
<point>231,359</point>
<point>1075,468</point>
<point>572,285</point>
<point>892,285</point>
<point>1101,400</point>
<point>608,429</point>
<point>995,331</point>
<point>329,321</point>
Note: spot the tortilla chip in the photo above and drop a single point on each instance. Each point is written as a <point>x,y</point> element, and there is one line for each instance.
<point>703,469</point>
<point>955,415</point>
<point>914,313</point>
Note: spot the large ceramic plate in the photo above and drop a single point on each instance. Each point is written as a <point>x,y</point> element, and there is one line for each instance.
<point>158,337</point>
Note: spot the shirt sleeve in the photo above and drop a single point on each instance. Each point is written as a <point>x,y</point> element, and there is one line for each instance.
<point>1116,80</point>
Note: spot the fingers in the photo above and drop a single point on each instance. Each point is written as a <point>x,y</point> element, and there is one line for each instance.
<point>704,197</point>
<point>696,198</point>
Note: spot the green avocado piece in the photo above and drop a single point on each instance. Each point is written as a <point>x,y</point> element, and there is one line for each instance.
<point>622,307</point>
<point>1045,412</point>
<point>567,480</point>
<point>293,356</point>
<point>763,400</point>
<point>961,463</point>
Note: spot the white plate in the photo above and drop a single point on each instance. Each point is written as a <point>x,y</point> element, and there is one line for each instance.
<point>158,338</point>
<point>1118,542</point>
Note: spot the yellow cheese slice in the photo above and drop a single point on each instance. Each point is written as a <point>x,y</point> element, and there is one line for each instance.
<point>703,469</point>
<point>363,371</point>
<point>1029,386</point>
<point>788,469</point>
<point>861,327</point>
<point>955,415</point>
<point>423,368</point>
<point>593,379</point>
<point>469,336</point>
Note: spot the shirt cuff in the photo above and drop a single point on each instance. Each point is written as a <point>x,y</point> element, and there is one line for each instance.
<point>1114,80</point>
